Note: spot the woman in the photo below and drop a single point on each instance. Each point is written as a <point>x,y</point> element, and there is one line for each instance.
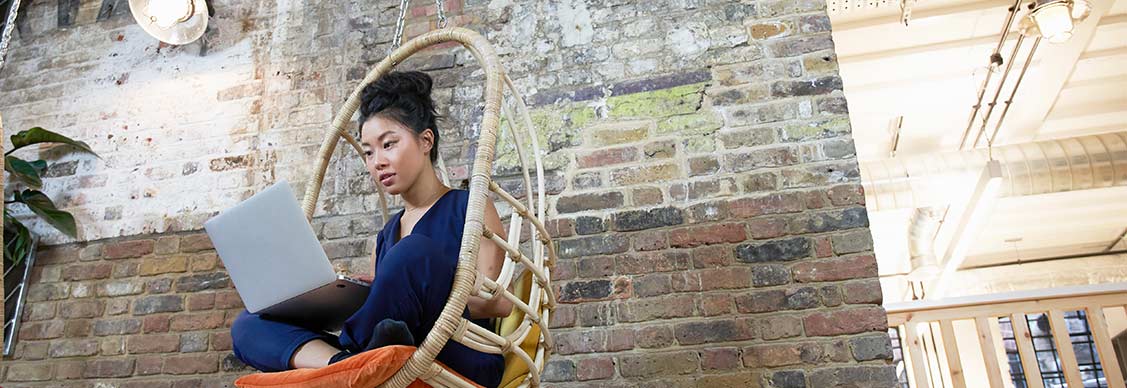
<point>416,255</point>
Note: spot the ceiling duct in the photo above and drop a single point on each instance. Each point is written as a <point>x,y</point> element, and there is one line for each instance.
<point>921,240</point>
<point>1077,163</point>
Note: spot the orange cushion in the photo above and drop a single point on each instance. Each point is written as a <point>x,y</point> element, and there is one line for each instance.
<point>364,370</point>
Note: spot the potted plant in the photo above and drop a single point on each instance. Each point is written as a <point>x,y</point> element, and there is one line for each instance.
<point>19,243</point>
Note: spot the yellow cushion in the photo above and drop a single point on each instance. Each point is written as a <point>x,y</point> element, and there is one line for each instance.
<point>515,368</point>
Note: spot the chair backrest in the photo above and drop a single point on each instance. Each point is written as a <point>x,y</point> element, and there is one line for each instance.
<point>524,338</point>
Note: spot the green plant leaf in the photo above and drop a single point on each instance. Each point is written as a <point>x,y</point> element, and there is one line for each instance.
<point>40,166</point>
<point>10,243</point>
<point>39,135</point>
<point>17,239</point>
<point>20,245</point>
<point>44,207</point>
<point>24,171</point>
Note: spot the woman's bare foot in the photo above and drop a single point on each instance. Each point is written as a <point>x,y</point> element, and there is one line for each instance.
<point>314,354</point>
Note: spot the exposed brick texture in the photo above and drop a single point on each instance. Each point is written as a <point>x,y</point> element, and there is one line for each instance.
<point>705,195</point>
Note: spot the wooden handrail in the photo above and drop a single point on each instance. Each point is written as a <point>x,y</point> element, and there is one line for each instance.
<point>927,328</point>
<point>1007,297</point>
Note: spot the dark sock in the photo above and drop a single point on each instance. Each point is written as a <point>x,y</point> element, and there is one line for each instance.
<point>387,332</point>
<point>390,332</point>
<point>343,354</point>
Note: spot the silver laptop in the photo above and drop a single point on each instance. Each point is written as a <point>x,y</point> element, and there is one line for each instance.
<point>279,268</point>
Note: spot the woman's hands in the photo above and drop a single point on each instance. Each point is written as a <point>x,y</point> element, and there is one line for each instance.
<point>366,278</point>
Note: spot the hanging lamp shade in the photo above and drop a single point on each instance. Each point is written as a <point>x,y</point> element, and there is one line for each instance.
<point>171,21</point>
<point>1054,20</point>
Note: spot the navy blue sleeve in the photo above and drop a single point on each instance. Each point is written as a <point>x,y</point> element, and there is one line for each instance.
<point>379,249</point>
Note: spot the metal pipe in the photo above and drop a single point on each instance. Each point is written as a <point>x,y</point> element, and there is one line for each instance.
<point>921,242</point>
<point>998,92</point>
<point>1078,163</point>
<point>29,262</point>
<point>1009,23</point>
<point>1047,259</point>
<point>1020,77</point>
<point>994,57</point>
<point>977,105</point>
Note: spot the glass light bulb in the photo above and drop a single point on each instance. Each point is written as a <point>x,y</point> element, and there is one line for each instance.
<point>1081,9</point>
<point>166,13</point>
<point>1054,21</point>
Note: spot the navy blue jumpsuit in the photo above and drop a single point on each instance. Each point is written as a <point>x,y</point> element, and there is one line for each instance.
<point>413,278</point>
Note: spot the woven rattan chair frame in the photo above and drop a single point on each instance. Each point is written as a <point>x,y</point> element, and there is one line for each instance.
<point>467,280</point>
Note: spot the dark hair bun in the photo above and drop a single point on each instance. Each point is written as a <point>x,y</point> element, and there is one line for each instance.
<point>411,83</point>
<point>404,97</point>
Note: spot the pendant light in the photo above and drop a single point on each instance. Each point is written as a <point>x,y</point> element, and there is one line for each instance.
<point>171,21</point>
<point>1054,20</point>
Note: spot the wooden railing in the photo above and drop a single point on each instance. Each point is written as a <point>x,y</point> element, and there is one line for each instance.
<point>937,337</point>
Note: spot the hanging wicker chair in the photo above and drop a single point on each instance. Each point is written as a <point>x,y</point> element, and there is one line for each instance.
<point>523,337</point>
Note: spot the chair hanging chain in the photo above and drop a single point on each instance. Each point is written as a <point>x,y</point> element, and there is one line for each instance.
<point>6,35</point>
<point>441,13</point>
<point>398,39</point>
<point>399,23</point>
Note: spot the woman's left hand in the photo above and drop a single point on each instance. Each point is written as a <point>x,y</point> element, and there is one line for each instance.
<point>366,278</point>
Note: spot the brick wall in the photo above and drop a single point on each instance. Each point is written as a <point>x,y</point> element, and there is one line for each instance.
<point>711,226</point>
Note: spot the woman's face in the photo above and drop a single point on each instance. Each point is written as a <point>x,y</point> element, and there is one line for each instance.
<point>394,154</point>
